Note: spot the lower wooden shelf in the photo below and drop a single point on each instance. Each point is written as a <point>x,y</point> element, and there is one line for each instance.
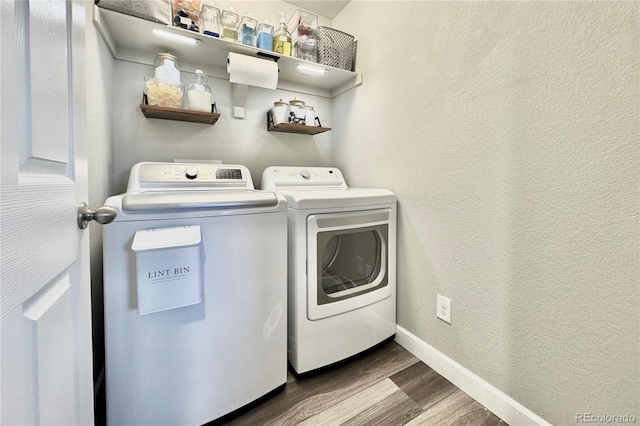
<point>298,128</point>
<point>294,128</point>
<point>153,111</point>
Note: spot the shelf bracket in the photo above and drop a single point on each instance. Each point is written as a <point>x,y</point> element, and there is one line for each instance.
<point>239,99</point>
<point>103,29</point>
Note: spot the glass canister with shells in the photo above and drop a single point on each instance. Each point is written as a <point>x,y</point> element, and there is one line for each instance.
<point>298,111</point>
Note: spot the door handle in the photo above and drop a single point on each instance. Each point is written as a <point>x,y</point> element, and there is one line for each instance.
<point>102,215</point>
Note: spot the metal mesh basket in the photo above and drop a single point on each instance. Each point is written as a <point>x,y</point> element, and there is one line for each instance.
<point>336,48</point>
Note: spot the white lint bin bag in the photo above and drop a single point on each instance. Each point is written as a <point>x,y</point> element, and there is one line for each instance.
<point>168,268</point>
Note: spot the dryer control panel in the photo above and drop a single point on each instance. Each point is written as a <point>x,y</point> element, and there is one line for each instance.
<point>190,176</point>
<point>288,177</point>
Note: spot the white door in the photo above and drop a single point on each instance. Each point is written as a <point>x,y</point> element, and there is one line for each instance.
<point>45,308</point>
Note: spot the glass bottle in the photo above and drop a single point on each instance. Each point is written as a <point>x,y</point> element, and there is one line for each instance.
<point>309,115</point>
<point>303,36</point>
<point>199,93</point>
<point>298,111</point>
<point>282,39</point>
<point>280,112</point>
<point>265,35</point>
<point>210,18</point>
<point>230,21</point>
<point>247,30</point>
<point>307,46</point>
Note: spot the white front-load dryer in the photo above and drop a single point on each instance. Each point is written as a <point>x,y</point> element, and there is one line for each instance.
<point>194,295</point>
<point>342,265</point>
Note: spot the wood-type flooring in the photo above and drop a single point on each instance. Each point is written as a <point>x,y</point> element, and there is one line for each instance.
<point>388,386</point>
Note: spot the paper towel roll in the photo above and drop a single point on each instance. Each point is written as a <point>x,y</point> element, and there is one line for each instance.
<point>257,72</point>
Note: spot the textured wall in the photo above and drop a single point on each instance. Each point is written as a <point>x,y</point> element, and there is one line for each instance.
<point>509,131</point>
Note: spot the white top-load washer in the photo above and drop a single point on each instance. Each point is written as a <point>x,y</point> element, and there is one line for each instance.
<point>194,294</point>
<point>342,265</point>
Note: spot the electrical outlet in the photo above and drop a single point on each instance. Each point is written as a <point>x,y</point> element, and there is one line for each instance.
<point>443,308</point>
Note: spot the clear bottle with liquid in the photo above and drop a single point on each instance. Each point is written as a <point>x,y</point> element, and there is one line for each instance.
<point>282,38</point>
<point>265,35</point>
<point>230,20</point>
<point>210,20</point>
<point>247,30</point>
<point>199,93</point>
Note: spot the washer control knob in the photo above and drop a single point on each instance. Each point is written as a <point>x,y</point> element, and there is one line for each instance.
<point>305,174</point>
<point>191,173</point>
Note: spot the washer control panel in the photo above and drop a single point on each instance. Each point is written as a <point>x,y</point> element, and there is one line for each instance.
<point>302,177</point>
<point>189,176</point>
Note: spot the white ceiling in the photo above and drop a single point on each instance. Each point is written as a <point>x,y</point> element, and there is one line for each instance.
<point>328,8</point>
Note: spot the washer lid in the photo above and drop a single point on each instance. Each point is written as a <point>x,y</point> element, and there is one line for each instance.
<point>194,200</point>
<point>156,205</point>
<point>352,197</point>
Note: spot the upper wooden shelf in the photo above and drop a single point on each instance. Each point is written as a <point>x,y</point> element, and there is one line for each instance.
<point>130,38</point>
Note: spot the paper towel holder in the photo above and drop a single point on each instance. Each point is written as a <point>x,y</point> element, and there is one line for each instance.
<point>239,91</point>
<point>266,55</point>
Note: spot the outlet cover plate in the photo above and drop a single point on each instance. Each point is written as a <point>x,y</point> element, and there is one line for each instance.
<point>443,308</point>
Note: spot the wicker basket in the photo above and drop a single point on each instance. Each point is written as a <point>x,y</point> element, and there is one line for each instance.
<point>336,48</point>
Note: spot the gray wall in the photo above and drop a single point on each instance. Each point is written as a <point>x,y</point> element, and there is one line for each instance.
<point>509,132</point>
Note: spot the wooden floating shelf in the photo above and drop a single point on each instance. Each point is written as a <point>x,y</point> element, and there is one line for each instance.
<point>298,128</point>
<point>153,111</point>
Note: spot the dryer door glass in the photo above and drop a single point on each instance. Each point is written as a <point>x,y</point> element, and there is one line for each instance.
<point>351,262</point>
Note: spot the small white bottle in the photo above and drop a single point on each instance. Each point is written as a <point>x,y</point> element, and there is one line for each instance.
<point>199,94</point>
<point>167,68</point>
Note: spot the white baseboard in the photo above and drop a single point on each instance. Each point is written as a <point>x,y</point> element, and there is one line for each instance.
<point>493,399</point>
